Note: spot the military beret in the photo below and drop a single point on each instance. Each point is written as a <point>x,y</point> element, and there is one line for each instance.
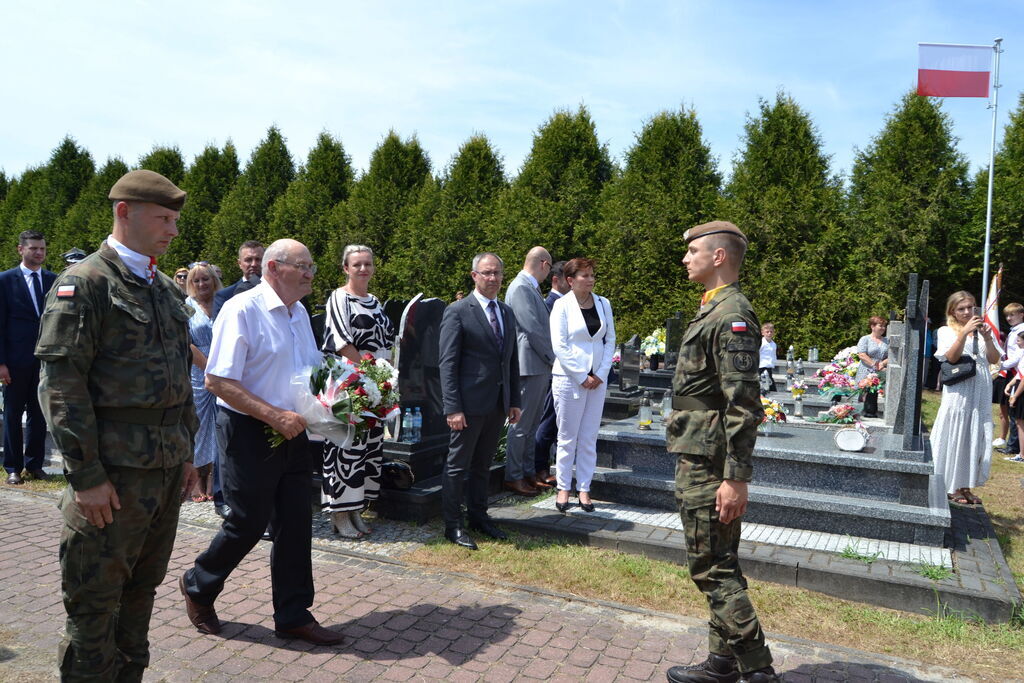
<point>147,186</point>
<point>713,228</point>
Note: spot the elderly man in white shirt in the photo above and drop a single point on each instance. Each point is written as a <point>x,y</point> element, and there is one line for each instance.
<point>261,339</point>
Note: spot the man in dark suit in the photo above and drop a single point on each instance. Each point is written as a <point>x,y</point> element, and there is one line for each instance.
<point>250,262</point>
<point>480,388</point>
<point>22,297</point>
<point>547,430</point>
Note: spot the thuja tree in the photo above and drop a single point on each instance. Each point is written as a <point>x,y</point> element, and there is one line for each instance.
<point>381,198</point>
<point>167,161</point>
<point>434,247</point>
<point>302,212</point>
<point>1007,212</point>
<point>553,202</point>
<point>908,212</point>
<point>785,199</point>
<point>245,212</point>
<point>89,221</point>
<point>19,192</point>
<point>52,193</point>
<point>670,183</point>
<point>207,181</point>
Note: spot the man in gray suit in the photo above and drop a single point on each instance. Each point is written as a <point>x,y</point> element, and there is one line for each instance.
<point>535,358</point>
<point>479,387</point>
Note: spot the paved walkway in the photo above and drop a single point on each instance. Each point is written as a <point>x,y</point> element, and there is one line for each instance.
<point>402,623</point>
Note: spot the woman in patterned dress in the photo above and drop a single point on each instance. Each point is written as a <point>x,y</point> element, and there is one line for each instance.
<point>355,325</point>
<point>201,284</point>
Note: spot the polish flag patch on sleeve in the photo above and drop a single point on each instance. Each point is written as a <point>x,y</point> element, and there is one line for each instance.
<point>739,326</point>
<point>69,290</point>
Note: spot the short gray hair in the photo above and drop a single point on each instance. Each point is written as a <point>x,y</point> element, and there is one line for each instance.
<point>354,249</point>
<point>278,251</point>
<point>482,255</point>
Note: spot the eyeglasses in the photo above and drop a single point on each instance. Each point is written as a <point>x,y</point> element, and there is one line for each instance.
<point>488,273</point>
<point>304,267</point>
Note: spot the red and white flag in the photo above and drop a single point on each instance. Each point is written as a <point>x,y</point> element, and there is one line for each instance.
<point>953,70</point>
<point>991,313</point>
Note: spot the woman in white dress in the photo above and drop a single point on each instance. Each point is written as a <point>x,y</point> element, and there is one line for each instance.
<point>962,433</point>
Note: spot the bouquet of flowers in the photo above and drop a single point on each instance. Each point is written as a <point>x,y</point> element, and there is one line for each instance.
<point>654,343</point>
<point>836,378</point>
<point>341,400</point>
<point>873,383</point>
<point>798,388</point>
<point>840,414</point>
<point>773,411</point>
<point>616,360</point>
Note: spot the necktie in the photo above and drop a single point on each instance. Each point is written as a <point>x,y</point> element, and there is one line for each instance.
<point>492,311</point>
<point>37,289</point>
<point>151,270</point>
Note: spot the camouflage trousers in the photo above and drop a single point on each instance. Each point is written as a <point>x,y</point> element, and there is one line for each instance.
<point>712,553</point>
<point>109,576</point>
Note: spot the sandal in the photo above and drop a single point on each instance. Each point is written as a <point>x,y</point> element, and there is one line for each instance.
<point>974,500</point>
<point>958,498</point>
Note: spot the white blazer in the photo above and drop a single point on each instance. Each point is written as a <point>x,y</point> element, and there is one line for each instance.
<point>578,354</point>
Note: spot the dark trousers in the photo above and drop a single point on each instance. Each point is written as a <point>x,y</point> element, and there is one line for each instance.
<point>20,397</point>
<point>262,485</point>
<point>109,576</point>
<point>547,434</point>
<point>467,470</point>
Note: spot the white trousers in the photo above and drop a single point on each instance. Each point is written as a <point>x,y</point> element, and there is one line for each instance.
<point>578,413</point>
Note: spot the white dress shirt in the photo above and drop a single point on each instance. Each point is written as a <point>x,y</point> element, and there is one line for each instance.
<point>484,303</point>
<point>27,274</point>
<point>262,344</point>
<point>136,262</point>
<point>1013,348</point>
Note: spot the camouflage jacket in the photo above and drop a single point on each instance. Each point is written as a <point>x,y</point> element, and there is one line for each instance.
<point>114,384</point>
<point>718,364</point>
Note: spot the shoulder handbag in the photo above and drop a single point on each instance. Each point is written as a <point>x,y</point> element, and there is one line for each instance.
<point>954,373</point>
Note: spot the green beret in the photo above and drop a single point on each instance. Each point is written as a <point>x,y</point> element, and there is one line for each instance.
<point>147,186</point>
<point>713,228</point>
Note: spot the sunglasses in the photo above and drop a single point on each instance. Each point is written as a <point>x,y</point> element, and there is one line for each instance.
<point>197,263</point>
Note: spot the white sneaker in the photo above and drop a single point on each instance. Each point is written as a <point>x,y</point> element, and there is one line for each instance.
<point>998,443</point>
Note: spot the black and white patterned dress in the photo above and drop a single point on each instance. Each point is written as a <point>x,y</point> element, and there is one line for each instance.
<point>351,476</point>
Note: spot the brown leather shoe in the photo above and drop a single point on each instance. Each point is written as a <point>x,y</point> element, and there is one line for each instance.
<point>546,477</point>
<point>203,617</point>
<point>312,633</point>
<point>538,483</point>
<point>521,487</point>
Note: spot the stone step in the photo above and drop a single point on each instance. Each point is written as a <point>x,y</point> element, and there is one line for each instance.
<point>779,506</point>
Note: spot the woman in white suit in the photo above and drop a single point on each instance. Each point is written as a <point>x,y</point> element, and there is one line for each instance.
<point>583,338</point>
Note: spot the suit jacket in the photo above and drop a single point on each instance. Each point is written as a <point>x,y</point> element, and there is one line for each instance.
<point>534,336</point>
<point>550,299</point>
<point>19,321</point>
<point>472,371</point>
<point>224,294</point>
<point>578,353</point>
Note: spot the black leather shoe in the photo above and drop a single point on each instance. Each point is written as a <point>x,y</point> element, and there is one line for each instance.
<point>39,475</point>
<point>460,537</point>
<point>14,479</point>
<point>765,675</point>
<point>222,511</point>
<point>562,507</point>
<point>487,528</point>
<point>714,669</point>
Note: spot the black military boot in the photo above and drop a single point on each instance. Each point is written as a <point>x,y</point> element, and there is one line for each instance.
<point>714,669</point>
<point>765,675</point>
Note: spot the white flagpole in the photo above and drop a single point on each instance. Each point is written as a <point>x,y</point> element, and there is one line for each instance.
<point>994,106</point>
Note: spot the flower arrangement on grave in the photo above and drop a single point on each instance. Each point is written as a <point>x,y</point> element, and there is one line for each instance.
<point>654,343</point>
<point>798,388</point>
<point>836,378</point>
<point>341,400</point>
<point>873,383</point>
<point>616,360</point>
<point>773,411</point>
<point>840,414</point>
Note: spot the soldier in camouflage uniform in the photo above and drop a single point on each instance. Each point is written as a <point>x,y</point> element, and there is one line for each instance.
<point>716,410</point>
<point>115,390</point>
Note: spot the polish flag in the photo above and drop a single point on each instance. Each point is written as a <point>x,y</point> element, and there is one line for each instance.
<point>953,70</point>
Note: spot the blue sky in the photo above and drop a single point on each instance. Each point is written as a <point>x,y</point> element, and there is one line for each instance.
<point>122,77</point>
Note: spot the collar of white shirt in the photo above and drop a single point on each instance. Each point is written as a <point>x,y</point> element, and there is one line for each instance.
<point>270,298</point>
<point>28,271</point>
<point>136,262</point>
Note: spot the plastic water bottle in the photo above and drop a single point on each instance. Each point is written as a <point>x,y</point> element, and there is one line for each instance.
<point>407,425</point>
<point>417,425</point>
